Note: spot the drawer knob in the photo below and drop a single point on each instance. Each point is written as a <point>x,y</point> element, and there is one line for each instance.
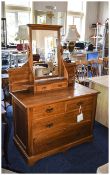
<point>44,87</point>
<point>49,110</point>
<point>59,85</point>
<point>80,103</point>
<point>50,125</point>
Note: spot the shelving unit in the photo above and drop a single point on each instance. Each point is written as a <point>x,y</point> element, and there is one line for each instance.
<point>97,35</point>
<point>3,33</point>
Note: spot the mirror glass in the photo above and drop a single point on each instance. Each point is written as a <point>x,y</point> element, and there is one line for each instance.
<point>44,51</point>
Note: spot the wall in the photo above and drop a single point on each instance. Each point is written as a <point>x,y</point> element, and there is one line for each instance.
<point>3,13</point>
<point>41,5</point>
<point>91,17</point>
<point>103,11</point>
<point>96,11</point>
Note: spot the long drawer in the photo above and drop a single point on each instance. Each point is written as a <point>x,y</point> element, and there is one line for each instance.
<point>52,123</point>
<point>73,132</point>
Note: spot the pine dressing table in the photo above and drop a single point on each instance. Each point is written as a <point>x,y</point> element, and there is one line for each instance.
<point>51,114</point>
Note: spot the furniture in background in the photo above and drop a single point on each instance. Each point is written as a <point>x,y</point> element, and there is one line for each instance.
<point>6,138</point>
<point>6,97</point>
<point>16,58</point>
<point>105,66</point>
<point>101,84</point>
<point>3,33</point>
<point>86,69</point>
<point>85,55</point>
<point>97,35</point>
<point>104,169</point>
<point>52,113</point>
<point>82,72</point>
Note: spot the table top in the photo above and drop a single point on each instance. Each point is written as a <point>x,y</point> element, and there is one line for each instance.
<point>101,80</point>
<point>28,99</point>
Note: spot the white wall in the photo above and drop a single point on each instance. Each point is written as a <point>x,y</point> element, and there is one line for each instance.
<point>41,5</point>
<point>96,11</point>
<point>103,11</point>
<point>91,17</point>
<point>3,13</point>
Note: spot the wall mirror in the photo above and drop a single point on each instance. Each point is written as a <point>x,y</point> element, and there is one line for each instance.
<point>45,47</point>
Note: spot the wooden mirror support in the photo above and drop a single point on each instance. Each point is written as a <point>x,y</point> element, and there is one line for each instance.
<point>23,78</point>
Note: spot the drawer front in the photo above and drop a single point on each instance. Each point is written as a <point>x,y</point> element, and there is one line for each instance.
<point>59,85</point>
<point>49,109</point>
<point>47,141</point>
<point>58,122</point>
<point>76,103</point>
<point>47,124</point>
<point>46,87</point>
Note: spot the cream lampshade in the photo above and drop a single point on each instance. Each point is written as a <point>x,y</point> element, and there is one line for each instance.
<point>72,37</point>
<point>22,35</point>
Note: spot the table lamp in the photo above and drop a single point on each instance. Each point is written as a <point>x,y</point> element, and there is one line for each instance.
<point>72,37</point>
<point>22,35</point>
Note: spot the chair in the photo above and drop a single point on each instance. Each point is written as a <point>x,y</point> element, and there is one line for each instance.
<point>105,66</point>
<point>96,67</point>
<point>82,72</point>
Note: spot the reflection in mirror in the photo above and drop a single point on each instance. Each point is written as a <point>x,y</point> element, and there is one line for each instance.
<point>44,50</point>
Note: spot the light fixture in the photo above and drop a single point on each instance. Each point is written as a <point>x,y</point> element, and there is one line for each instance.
<point>72,37</point>
<point>50,10</point>
<point>22,35</point>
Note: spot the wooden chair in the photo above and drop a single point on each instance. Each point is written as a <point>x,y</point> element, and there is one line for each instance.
<point>96,67</point>
<point>105,66</point>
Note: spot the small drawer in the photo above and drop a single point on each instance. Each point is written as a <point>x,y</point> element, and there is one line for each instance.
<point>76,103</point>
<point>59,85</point>
<point>47,87</point>
<point>44,87</point>
<point>50,109</point>
<point>87,115</point>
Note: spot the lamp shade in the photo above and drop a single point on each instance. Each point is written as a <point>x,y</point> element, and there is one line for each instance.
<point>72,34</point>
<point>22,33</point>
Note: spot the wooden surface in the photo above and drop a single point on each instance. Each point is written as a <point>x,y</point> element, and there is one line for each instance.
<point>101,84</point>
<point>47,123</point>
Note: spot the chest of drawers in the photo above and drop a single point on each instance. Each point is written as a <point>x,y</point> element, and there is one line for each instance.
<point>47,123</point>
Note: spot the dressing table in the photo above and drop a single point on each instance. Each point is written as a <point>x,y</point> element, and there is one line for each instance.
<point>51,113</point>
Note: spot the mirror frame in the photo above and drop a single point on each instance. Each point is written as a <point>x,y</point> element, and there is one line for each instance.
<point>45,27</point>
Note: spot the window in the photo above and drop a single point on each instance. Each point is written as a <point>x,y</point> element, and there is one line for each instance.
<point>75,15</point>
<point>41,19</point>
<point>71,19</point>
<point>18,3</point>
<point>76,6</point>
<point>16,15</point>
